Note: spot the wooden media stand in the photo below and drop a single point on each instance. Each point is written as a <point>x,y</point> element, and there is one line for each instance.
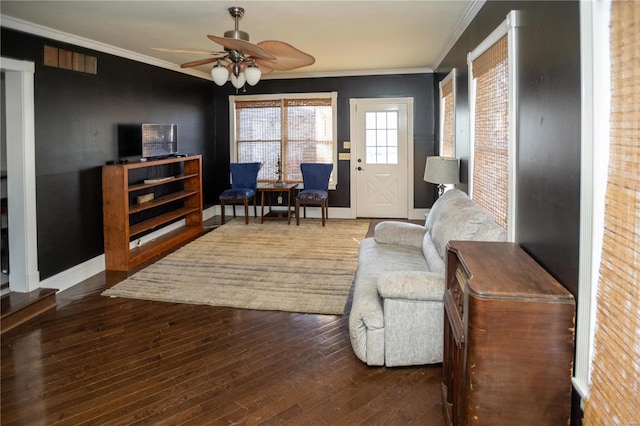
<point>173,197</point>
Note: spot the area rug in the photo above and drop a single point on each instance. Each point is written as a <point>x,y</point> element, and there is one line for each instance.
<point>271,266</point>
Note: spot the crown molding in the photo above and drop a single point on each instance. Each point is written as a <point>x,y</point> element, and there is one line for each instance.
<point>461,26</point>
<point>324,74</point>
<point>42,31</point>
<point>50,33</point>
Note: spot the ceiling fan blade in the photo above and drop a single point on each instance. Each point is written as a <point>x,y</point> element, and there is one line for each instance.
<point>287,56</point>
<point>248,48</point>
<point>198,62</point>
<point>187,50</point>
<point>264,64</point>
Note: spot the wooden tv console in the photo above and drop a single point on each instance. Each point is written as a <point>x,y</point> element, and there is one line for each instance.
<point>508,339</point>
<point>175,196</point>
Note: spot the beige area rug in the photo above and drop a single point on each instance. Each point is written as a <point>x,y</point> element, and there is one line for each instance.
<point>270,266</point>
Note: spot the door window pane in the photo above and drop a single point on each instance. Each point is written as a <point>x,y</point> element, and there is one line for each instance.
<point>381,137</point>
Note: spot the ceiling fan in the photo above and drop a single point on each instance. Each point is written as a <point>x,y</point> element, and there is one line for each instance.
<point>243,60</point>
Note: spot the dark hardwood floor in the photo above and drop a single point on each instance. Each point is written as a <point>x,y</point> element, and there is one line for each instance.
<point>97,360</point>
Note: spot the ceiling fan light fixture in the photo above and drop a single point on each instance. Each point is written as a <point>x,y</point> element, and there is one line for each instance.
<point>253,74</point>
<point>239,80</point>
<point>219,73</point>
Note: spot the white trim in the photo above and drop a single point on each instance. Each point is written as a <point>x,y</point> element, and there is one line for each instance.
<point>449,77</point>
<point>595,71</point>
<point>513,22</point>
<point>279,96</point>
<point>75,275</point>
<point>353,129</point>
<point>471,12</point>
<point>509,28</point>
<point>351,73</point>
<point>21,186</point>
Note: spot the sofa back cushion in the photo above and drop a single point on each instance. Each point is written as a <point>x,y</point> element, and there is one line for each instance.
<point>459,218</point>
<point>439,207</point>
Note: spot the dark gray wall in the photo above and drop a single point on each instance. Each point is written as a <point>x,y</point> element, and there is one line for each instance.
<point>418,86</point>
<point>548,161</point>
<point>76,117</point>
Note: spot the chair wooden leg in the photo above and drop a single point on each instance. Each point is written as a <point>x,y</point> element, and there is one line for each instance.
<point>246,211</point>
<point>322,212</point>
<point>255,208</point>
<point>297,213</point>
<point>234,210</point>
<point>222,210</point>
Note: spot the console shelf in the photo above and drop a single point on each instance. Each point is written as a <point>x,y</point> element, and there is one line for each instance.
<point>179,198</point>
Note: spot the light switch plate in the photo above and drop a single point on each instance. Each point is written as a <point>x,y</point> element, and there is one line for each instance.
<point>344,156</point>
<point>346,145</point>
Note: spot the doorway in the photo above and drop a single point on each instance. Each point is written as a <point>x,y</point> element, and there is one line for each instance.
<point>382,157</point>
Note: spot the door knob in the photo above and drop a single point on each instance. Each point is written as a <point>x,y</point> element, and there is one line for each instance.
<point>359,168</point>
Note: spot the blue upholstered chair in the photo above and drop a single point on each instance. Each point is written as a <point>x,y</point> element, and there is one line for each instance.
<point>244,179</point>
<point>315,177</point>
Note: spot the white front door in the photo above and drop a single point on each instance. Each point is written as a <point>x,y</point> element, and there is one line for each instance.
<point>380,157</point>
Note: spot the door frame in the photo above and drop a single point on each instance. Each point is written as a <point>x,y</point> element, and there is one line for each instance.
<point>353,104</point>
<point>21,169</point>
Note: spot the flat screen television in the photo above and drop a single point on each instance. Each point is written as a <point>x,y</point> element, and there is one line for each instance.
<point>159,140</point>
<point>147,140</point>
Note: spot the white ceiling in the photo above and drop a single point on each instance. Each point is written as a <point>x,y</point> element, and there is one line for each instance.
<point>345,37</point>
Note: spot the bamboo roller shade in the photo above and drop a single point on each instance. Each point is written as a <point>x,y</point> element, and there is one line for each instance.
<point>615,386</point>
<point>491,149</point>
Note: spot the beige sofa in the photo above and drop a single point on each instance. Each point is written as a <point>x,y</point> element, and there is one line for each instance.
<point>397,312</point>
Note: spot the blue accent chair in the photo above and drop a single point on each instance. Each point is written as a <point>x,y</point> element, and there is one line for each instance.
<point>244,179</point>
<point>315,178</point>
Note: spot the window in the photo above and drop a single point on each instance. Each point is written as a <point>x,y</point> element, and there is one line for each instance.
<point>447,115</point>
<point>493,99</point>
<point>291,128</point>
<point>381,140</point>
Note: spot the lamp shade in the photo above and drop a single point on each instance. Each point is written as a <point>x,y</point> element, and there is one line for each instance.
<point>253,74</point>
<point>238,81</point>
<point>442,170</point>
<point>219,73</point>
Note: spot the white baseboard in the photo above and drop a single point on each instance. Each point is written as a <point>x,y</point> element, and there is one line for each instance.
<point>72,276</point>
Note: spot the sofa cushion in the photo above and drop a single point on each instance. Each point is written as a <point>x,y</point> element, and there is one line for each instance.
<point>490,231</point>
<point>439,206</point>
<point>403,233</point>
<point>459,220</point>
<point>434,262</point>
<point>411,285</point>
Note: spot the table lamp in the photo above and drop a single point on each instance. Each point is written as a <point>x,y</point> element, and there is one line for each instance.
<point>442,171</point>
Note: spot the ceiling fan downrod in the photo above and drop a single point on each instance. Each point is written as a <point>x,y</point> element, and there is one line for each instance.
<point>237,13</point>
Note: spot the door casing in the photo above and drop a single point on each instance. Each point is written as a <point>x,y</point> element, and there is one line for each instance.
<point>353,105</point>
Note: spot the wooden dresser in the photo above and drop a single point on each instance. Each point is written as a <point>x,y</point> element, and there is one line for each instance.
<point>508,339</point>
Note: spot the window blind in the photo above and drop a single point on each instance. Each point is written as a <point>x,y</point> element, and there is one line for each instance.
<point>448,149</point>
<point>491,132</point>
<point>616,372</point>
<point>293,131</point>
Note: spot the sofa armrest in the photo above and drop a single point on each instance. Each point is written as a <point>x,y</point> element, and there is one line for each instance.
<point>403,233</point>
<point>411,285</point>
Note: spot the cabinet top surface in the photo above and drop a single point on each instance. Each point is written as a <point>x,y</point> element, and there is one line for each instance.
<point>488,265</point>
<point>135,165</point>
